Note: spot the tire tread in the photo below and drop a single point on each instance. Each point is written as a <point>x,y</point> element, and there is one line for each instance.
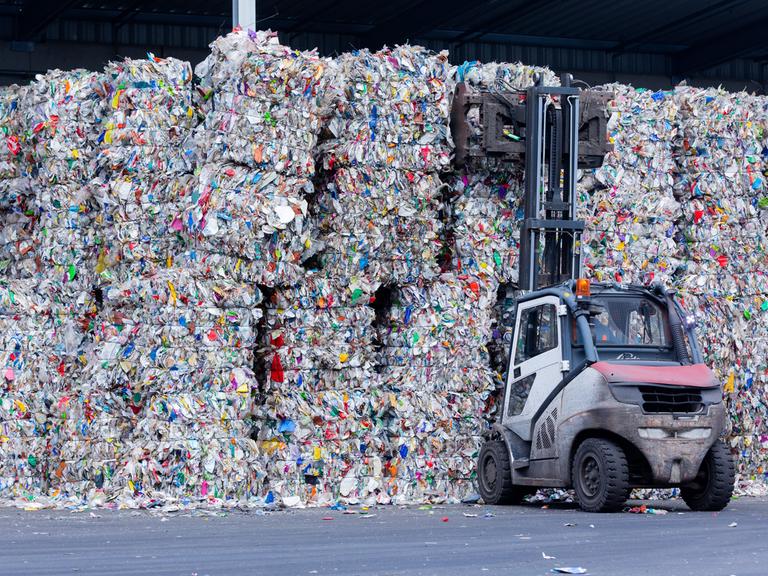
<point>508,493</point>
<point>721,484</point>
<point>616,489</point>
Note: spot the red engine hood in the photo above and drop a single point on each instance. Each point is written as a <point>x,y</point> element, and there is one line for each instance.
<point>697,375</point>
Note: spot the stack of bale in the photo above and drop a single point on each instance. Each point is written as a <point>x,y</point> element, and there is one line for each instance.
<point>379,206</point>
<point>321,423</point>
<point>62,112</point>
<point>721,153</point>
<point>379,212</point>
<point>437,382</point>
<point>54,300</point>
<point>20,323</point>
<point>138,362</point>
<point>262,104</point>
<point>630,206</point>
<point>486,209</point>
<point>681,200</point>
<point>174,344</point>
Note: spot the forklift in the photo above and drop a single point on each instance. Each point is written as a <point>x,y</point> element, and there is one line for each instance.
<point>606,389</point>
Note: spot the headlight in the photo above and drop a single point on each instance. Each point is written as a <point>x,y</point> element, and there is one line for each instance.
<point>662,433</point>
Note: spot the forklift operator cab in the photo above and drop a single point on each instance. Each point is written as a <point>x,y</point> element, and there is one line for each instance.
<point>606,391</point>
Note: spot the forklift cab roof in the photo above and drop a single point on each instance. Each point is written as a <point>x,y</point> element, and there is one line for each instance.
<point>623,323</point>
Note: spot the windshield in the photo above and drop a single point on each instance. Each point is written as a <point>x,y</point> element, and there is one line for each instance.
<point>627,320</point>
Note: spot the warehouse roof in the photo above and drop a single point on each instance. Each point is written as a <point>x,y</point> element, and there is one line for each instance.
<point>679,38</point>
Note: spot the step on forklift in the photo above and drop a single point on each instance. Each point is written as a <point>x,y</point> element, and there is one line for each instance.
<point>606,389</point>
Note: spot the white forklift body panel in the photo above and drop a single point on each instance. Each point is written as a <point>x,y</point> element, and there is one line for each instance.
<point>536,363</point>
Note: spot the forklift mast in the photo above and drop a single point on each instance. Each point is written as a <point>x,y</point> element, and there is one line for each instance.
<point>544,126</point>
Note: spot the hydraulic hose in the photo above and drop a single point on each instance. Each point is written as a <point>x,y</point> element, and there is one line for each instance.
<point>676,330</point>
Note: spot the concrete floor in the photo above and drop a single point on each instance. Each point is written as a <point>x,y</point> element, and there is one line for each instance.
<point>390,541</point>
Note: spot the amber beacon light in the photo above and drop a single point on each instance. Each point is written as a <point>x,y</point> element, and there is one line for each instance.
<point>582,288</point>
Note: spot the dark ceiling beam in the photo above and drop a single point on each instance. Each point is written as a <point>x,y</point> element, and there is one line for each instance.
<point>36,16</point>
<point>131,10</point>
<point>307,21</point>
<point>414,20</point>
<point>722,48</point>
<point>641,39</point>
<point>203,20</point>
<point>447,36</point>
<point>496,21</point>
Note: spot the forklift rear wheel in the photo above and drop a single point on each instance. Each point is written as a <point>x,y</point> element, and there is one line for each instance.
<point>494,475</point>
<point>713,487</point>
<point>600,476</point>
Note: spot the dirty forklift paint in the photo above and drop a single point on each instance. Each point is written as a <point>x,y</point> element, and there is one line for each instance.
<point>605,417</point>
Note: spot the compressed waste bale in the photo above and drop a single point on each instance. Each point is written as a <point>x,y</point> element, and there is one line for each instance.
<point>179,332</point>
<point>436,368</point>
<point>14,168</point>
<point>52,232</point>
<point>139,225</point>
<point>503,76</point>
<point>631,213</point>
<point>385,224</point>
<point>320,325</point>
<point>486,218</point>
<point>722,160</point>
<point>263,104</point>
<point>390,110</point>
<point>62,115</point>
<point>194,446</point>
<point>486,195</point>
<point>63,110</point>
<point>19,240</point>
<point>148,117</point>
<point>257,216</point>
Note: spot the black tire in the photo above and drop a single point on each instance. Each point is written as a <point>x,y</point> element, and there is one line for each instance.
<point>494,475</point>
<point>600,476</point>
<point>713,487</point>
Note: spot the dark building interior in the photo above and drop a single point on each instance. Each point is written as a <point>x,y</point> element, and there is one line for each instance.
<point>655,43</point>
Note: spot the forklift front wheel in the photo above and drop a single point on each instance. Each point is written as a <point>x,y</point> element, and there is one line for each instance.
<point>600,476</point>
<point>713,487</point>
<point>494,475</point>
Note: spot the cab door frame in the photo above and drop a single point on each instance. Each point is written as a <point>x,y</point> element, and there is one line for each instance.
<point>542,373</point>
